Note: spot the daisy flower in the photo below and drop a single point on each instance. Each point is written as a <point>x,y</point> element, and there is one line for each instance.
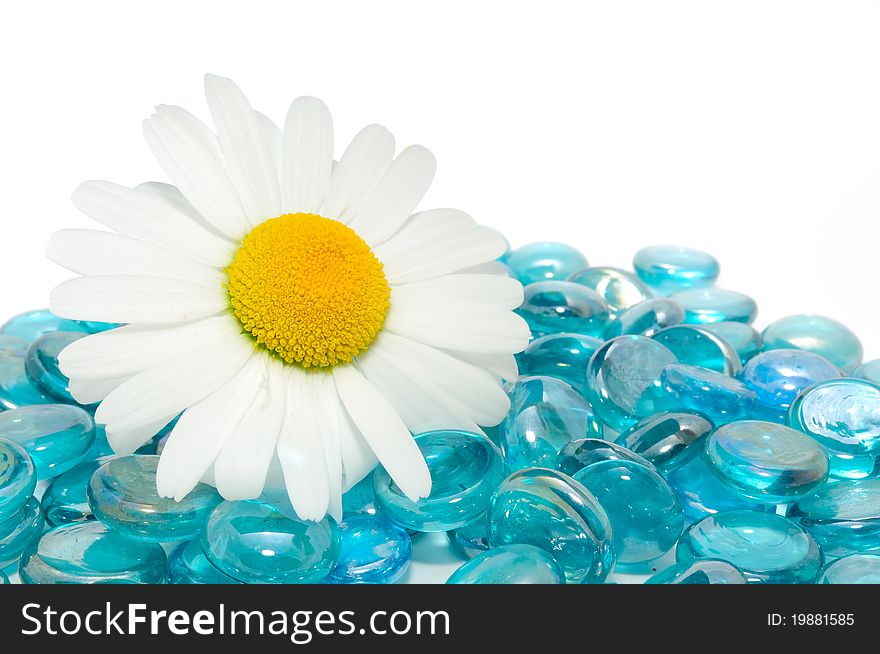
<point>294,311</point>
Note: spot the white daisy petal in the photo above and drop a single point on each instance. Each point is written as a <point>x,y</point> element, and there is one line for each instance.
<point>358,171</point>
<point>358,460</point>
<point>250,160</point>
<point>386,433</point>
<point>488,268</point>
<point>307,156</point>
<point>273,137</point>
<point>168,195</point>
<point>459,292</point>
<point>133,299</point>
<point>91,391</point>
<point>126,441</point>
<point>396,195</point>
<point>503,366</point>
<point>326,400</point>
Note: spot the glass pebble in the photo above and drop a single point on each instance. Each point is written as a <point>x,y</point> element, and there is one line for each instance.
<point>3,578</point>
<point>544,415</point>
<point>583,452</point>
<point>33,324</point>
<point>745,339</point>
<point>510,564</point>
<point>465,469</point>
<point>766,547</point>
<point>767,462</point>
<point>95,327</point>
<point>65,499</point>
<point>646,318</point>
<point>668,440</point>
<point>869,371</point>
<point>646,518</point>
<point>18,530</point>
<point>41,365</point>
<point>620,376</point>
<point>373,551</point>
<point>707,305</point>
<point>122,494</point>
<point>619,289</point>
<point>550,510</point>
<point>817,334</point>
<point>697,346</point>
<point>254,542</point>
<point>473,538</point>
<point>15,388</point>
<point>91,553</point>
<point>670,268</point>
<point>57,436</point>
<point>188,565</point>
<point>562,356</point>
<point>17,478</point>
<point>718,397</point>
<point>852,569</point>
<point>701,493</point>
<point>360,498</point>
<point>852,466</point>
<point>539,262</point>
<point>556,307</point>
<point>699,571</point>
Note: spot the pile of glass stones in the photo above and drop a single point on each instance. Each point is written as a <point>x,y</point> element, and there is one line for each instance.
<point>653,434</point>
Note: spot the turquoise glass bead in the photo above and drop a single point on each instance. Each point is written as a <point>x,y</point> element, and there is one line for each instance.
<point>670,268</point>
<point>510,564</point>
<point>18,530</point>
<point>765,461</point>
<point>90,553</point>
<point>122,494</point>
<point>188,565</point>
<point>556,307</point>
<point>646,518</point>
<point>707,305</point>
<point>646,318</point>
<point>700,571</point>
<point>17,478</point>
<point>779,376</point>
<point>539,262</point>
<point>373,551</point>
<point>766,547</point>
<point>817,334</point>
<point>718,397</point>
<point>620,289</point>
<point>843,415</point>
<point>545,414</point>
<point>473,538</point>
<point>852,466</point>
<point>550,510</point>
<point>869,371</point>
<point>41,365</point>
<point>65,499</point>
<point>57,436</point>
<point>95,327</point>
<point>583,452</point>
<point>668,440</point>
<point>360,498</point>
<point>621,377</point>
<point>465,469</point>
<point>852,569</point>
<point>15,388</point>
<point>33,324</point>
<point>563,356</point>
<point>844,516</point>
<point>745,339</point>
<point>255,542</point>
<point>3,578</point>
<point>701,493</point>
<point>698,346</point>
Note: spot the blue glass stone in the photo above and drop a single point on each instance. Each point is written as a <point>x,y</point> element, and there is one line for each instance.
<point>90,553</point>
<point>852,466</point>
<point>15,388</point>
<point>18,530</point>
<point>779,376</point>
<point>743,338</point>
<point>550,510</point>
<point>188,565</point>
<point>122,494</point>
<point>646,518</point>
<point>852,569</point>
<point>764,461</point>
<point>620,289</point>
<point>701,493</point>
<point>700,571</point>
<point>766,547</point>
<point>646,318</point>
<point>95,327</point>
<point>556,307</point>
<point>65,499</point>
<point>473,538</point>
<point>510,564</point>
<point>41,365</point>
<point>545,414</point>
<point>563,356</point>
<point>718,397</point>
<point>670,268</point>
<point>668,440</point>
<point>817,334</point>
<point>465,470</point>
<point>373,551</point>
<point>3,578</point>
<point>583,452</point>
<point>697,346</point>
<point>33,324</point>
<point>57,436</point>
<point>540,262</point>
<point>621,376</point>
<point>844,517</point>
<point>707,305</point>
<point>843,415</point>
<point>870,371</point>
<point>17,478</point>
<point>255,542</point>
<point>360,498</point>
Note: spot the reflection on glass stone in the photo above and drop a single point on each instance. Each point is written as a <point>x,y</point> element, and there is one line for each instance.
<point>852,569</point>
<point>473,538</point>
<point>15,388</point>
<point>563,356</point>
<point>510,564</point>
<point>701,493</point>
<point>668,440</point>
<point>706,305</point>
<point>539,262</point>
<point>187,564</point>
<point>17,478</point>
<point>852,466</point>
<point>697,346</point>
<point>699,571</point>
<point>646,318</point>
<point>745,339</point>
<point>670,268</point>
<point>360,498</point>
<point>870,371</point>
<point>556,307</point>
<point>779,376</point>
<point>41,365</point>
<point>373,551</point>
<point>65,499</point>
<point>18,530</point>
<point>819,335</point>
<point>718,397</point>
<point>57,436</point>
<point>33,324</point>
<point>587,451</point>
<point>620,289</point>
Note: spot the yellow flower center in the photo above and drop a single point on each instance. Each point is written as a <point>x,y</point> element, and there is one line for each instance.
<point>308,289</point>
